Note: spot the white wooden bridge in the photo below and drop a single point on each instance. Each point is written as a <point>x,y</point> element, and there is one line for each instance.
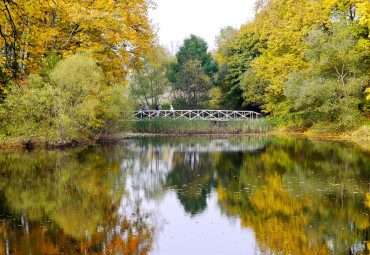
<point>214,115</point>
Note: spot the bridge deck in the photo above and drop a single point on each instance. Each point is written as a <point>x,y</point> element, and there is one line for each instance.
<point>212,115</point>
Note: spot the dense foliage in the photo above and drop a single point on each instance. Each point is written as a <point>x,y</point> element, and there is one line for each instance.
<point>193,74</point>
<point>47,96</point>
<point>303,62</point>
<point>235,54</point>
<point>118,34</point>
<point>72,103</point>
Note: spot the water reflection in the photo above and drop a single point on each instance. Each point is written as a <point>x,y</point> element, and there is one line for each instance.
<point>300,197</point>
<point>297,196</point>
<point>71,202</point>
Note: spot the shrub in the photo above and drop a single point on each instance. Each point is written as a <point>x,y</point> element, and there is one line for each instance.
<point>75,105</point>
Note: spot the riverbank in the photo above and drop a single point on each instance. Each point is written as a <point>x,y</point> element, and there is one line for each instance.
<point>359,137</point>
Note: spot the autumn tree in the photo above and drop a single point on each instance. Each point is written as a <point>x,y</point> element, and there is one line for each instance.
<point>117,33</point>
<point>281,25</point>
<point>266,54</point>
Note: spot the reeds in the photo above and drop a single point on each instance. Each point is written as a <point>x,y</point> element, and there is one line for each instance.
<point>186,126</point>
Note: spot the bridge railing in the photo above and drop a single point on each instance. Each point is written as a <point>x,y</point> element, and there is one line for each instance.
<point>219,115</point>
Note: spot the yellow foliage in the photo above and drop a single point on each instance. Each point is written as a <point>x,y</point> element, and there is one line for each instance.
<point>363,7</point>
<point>275,199</point>
<point>367,200</point>
<point>284,24</point>
<point>368,93</point>
<point>277,218</point>
<point>118,33</point>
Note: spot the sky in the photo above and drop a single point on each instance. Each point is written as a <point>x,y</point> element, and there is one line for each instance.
<point>177,19</point>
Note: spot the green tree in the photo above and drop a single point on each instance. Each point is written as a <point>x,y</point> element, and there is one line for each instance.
<point>74,103</point>
<point>192,86</point>
<point>334,85</point>
<point>193,74</point>
<point>151,82</point>
<point>196,48</point>
<point>235,56</point>
<point>253,88</point>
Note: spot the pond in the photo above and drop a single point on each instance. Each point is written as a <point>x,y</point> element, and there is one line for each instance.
<point>187,195</point>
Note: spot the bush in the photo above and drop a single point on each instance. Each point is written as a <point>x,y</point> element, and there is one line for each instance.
<point>75,105</point>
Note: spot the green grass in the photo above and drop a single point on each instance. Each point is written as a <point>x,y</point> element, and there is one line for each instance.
<point>185,126</point>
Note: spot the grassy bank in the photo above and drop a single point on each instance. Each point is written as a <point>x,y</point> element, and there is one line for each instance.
<point>359,136</point>
<point>185,126</point>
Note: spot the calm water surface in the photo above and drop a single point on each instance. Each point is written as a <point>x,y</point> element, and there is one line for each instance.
<point>190,195</point>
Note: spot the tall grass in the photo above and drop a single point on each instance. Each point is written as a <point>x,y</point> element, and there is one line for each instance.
<point>185,126</point>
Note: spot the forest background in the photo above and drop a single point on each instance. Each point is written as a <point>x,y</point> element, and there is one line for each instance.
<point>70,69</point>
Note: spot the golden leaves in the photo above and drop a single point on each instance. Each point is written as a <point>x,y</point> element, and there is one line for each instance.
<point>117,33</point>
<point>284,24</point>
<point>363,7</point>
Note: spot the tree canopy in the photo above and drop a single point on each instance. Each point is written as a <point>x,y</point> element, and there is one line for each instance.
<point>303,60</point>
<point>117,33</point>
<point>193,73</point>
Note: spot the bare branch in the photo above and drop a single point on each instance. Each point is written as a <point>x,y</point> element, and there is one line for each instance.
<point>70,36</point>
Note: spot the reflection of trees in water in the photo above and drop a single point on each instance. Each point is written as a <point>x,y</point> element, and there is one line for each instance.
<point>153,168</point>
<point>192,177</point>
<point>185,164</point>
<point>116,234</point>
<point>202,144</point>
<point>299,197</point>
<point>146,167</point>
<point>69,202</point>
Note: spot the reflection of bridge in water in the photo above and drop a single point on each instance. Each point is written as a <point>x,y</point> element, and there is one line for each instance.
<point>215,115</point>
<point>153,163</point>
<point>148,171</point>
<point>216,145</point>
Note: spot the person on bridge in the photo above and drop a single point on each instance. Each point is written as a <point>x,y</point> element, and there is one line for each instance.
<point>159,111</point>
<point>172,111</point>
<point>141,111</point>
<point>146,111</point>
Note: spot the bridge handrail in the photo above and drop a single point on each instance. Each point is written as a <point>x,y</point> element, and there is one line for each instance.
<point>201,114</point>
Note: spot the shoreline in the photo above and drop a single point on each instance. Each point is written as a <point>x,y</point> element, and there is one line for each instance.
<point>352,138</point>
